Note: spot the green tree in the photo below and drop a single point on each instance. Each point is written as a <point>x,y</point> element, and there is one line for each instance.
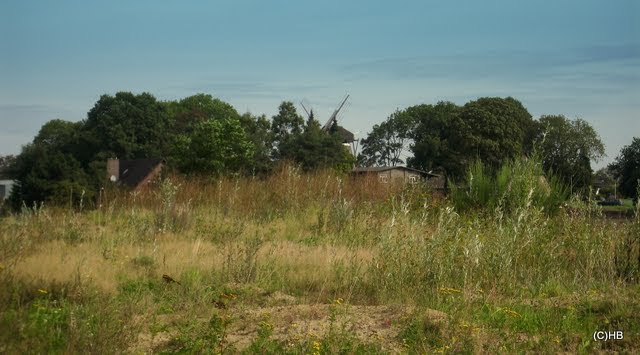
<point>216,146</point>
<point>186,115</point>
<point>497,129</point>
<point>317,149</point>
<point>567,148</point>
<point>48,170</point>
<point>438,138</point>
<point>492,129</point>
<point>258,131</point>
<point>626,168</point>
<point>7,163</point>
<point>127,126</point>
<point>190,111</point>
<point>286,126</point>
<point>604,181</point>
<point>388,141</point>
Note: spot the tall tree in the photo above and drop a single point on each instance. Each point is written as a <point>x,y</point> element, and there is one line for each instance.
<point>317,149</point>
<point>186,116</point>
<point>388,141</point>
<point>285,126</point>
<point>7,165</point>
<point>190,111</point>
<point>568,147</point>
<point>258,131</point>
<point>216,146</point>
<point>492,129</point>
<point>438,138</point>
<point>604,182</point>
<point>626,168</point>
<point>48,169</point>
<point>497,129</point>
<point>128,126</point>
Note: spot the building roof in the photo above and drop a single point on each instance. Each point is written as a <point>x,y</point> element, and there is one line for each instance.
<point>133,172</point>
<point>346,135</point>
<point>372,169</point>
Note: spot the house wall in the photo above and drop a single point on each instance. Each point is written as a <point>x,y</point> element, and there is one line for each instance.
<point>5,188</point>
<point>402,175</point>
<point>399,176</point>
<point>113,169</point>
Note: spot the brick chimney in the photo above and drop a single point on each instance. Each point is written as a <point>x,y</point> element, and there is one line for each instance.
<point>113,170</point>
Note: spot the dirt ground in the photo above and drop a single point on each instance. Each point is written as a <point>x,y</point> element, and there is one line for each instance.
<point>292,322</point>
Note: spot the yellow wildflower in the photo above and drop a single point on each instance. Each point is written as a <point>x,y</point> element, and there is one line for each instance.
<point>510,313</point>
<point>448,290</point>
<point>44,292</point>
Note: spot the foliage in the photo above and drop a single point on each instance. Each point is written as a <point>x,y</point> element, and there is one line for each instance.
<point>201,134</point>
<point>127,126</point>
<point>603,179</point>
<point>187,113</point>
<point>437,138</point>
<point>216,146</point>
<point>7,163</point>
<point>285,126</point>
<point>626,169</point>
<point>516,185</point>
<point>492,129</point>
<point>305,143</point>
<point>187,116</point>
<point>567,148</point>
<point>65,163</point>
<point>497,129</point>
<point>49,169</point>
<point>387,141</point>
<point>316,149</point>
<point>258,131</point>
<point>405,272</point>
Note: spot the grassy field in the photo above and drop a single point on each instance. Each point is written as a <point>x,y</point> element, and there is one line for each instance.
<point>626,207</point>
<point>314,264</point>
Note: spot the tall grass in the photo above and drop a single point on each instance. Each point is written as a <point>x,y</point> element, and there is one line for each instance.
<point>518,184</point>
<point>498,255</point>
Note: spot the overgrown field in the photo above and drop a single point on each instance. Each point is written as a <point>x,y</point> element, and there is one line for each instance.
<point>314,264</point>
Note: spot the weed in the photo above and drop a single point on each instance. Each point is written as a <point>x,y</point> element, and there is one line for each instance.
<point>510,267</point>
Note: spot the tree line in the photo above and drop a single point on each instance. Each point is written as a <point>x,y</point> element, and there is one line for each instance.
<point>201,134</point>
<point>449,138</point>
<point>196,135</point>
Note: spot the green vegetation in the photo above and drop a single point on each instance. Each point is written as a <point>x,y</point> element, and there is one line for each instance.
<point>626,169</point>
<point>626,207</point>
<point>316,263</point>
<point>517,185</point>
<point>256,241</point>
<point>202,135</point>
<point>567,148</point>
<point>198,135</point>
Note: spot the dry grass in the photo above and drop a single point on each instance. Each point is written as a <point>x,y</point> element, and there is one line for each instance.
<point>361,266</point>
<point>56,261</point>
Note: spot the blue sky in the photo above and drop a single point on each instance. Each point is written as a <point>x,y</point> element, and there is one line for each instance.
<point>577,58</point>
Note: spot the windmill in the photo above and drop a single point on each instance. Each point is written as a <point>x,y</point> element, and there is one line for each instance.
<point>348,138</point>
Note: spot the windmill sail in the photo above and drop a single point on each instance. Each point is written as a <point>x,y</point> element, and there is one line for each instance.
<point>334,116</point>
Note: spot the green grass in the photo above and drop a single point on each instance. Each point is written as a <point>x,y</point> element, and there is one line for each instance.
<point>317,264</point>
<point>627,207</point>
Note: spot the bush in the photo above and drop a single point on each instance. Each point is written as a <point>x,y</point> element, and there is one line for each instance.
<point>517,184</point>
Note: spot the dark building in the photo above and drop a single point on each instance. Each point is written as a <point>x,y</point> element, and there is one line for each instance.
<point>134,173</point>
